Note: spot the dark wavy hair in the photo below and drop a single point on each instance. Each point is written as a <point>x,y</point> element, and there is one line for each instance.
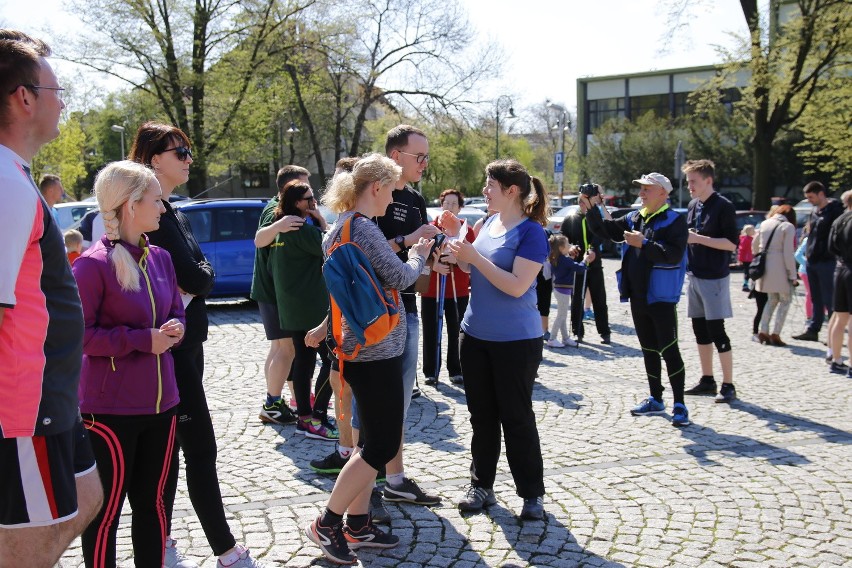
<point>154,138</point>
<point>533,197</point>
<point>289,196</point>
<point>455,192</point>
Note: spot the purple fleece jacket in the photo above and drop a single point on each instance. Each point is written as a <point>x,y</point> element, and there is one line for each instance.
<point>120,374</point>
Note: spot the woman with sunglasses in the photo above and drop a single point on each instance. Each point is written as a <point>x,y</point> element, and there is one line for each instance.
<point>166,149</point>
<point>295,263</point>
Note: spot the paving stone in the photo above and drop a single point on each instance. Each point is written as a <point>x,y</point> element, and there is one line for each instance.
<point>761,482</point>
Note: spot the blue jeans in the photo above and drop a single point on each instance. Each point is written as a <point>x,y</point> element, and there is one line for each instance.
<point>821,279</point>
<point>409,367</point>
<point>409,358</point>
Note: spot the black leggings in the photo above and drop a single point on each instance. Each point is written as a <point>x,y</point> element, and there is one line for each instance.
<point>760,299</point>
<point>656,328</point>
<point>195,436</point>
<point>377,386</point>
<point>133,455</point>
<point>304,362</point>
<point>453,312</point>
<point>597,290</point>
<point>498,384</point>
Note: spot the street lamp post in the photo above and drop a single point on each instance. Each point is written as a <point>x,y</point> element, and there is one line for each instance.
<point>117,128</point>
<point>563,125</point>
<point>292,131</point>
<point>504,103</point>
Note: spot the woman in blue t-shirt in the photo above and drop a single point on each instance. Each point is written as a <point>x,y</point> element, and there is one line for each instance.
<point>501,346</point>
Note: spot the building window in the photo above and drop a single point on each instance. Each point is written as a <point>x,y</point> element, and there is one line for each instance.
<point>255,175</point>
<point>658,104</point>
<point>602,110</point>
<point>681,105</point>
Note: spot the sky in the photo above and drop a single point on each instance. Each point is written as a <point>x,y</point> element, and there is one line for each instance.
<point>547,44</point>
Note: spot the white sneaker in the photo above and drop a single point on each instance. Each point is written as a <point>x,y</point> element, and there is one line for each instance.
<point>175,558</point>
<point>243,561</point>
<point>569,342</point>
<point>554,344</point>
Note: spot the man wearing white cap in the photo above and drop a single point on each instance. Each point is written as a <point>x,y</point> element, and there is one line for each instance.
<point>713,236</point>
<point>653,267</point>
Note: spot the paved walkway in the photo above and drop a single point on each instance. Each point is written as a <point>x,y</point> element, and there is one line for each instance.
<point>764,482</point>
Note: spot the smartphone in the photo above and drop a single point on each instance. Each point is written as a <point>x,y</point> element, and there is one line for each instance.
<point>439,240</point>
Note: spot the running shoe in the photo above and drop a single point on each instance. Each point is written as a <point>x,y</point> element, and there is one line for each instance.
<point>277,413</point>
<point>331,541</point>
<point>330,464</point>
<point>648,406</point>
<point>369,536</point>
<point>680,415</point>
<point>409,492</point>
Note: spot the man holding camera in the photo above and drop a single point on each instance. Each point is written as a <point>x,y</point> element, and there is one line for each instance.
<point>651,277</point>
<point>574,226</point>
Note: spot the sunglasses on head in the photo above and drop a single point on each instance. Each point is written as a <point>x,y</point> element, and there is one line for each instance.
<point>182,152</point>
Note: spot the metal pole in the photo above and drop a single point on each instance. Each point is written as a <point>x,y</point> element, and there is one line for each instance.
<point>562,179</point>
<point>497,136</point>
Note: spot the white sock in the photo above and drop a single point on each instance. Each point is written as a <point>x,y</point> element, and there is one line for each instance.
<point>344,452</point>
<point>395,479</point>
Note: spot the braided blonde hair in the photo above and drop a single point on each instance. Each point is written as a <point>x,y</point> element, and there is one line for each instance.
<point>119,183</point>
<point>346,187</point>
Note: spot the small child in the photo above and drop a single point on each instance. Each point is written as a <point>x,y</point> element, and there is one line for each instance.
<point>744,254</point>
<point>73,244</point>
<point>564,268</point>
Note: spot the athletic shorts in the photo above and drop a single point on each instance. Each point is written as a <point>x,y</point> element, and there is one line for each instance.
<point>271,323</point>
<point>709,298</point>
<point>38,477</point>
<point>842,289</point>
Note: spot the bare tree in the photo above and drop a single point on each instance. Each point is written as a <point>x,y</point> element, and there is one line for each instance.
<point>167,48</point>
<point>414,55</point>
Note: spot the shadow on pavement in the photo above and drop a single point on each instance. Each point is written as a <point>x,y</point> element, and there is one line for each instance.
<point>543,543</point>
<point>781,422</point>
<point>817,352</point>
<point>707,441</point>
<point>567,400</point>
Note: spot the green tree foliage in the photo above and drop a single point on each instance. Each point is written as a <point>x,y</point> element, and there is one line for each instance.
<point>826,147</point>
<point>64,156</point>
<point>792,53</point>
<point>624,149</point>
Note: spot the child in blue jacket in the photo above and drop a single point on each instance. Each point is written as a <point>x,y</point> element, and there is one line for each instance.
<point>564,269</point>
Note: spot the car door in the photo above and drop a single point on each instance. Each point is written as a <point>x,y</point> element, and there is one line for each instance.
<point>234,229</point>
<point>201,220</point>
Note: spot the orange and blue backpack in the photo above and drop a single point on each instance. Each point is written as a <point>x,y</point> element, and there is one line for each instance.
<point>357,295</point>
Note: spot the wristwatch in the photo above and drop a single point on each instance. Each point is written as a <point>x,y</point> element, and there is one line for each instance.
<point>400,241</point>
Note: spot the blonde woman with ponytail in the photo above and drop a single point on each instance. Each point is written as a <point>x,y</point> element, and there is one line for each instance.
<point>133,315</point>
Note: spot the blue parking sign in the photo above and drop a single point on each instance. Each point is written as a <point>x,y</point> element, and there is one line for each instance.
<point>558,162</point>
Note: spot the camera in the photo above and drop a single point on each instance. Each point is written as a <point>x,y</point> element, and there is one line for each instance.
<point>589,190</point>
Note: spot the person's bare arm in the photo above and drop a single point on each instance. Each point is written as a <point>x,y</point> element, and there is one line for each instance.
<point>719,243</point>
<point>264,237</point>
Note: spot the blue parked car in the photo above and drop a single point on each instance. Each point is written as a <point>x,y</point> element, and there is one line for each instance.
<point>225,230</point>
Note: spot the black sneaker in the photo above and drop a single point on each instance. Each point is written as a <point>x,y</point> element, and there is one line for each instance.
<point>409,492</point>
<point>378,512</point>
<point>331,541</point>
<point>277,413</point>
<point>457,379</point>
<point>431,381</point>
<point>706,386</point>
<point>476,499</point>
<point>330,464</point>
<point>807,335</point>
<point>728,393</point>
<point>606,340</point>
<point>369,536</point>
<point>839,368</point>
<point>533,509</point>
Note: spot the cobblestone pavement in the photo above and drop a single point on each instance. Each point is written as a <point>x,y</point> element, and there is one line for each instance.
<point>763,482</point>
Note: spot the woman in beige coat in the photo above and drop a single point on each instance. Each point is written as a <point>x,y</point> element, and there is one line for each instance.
<point>780,274</point>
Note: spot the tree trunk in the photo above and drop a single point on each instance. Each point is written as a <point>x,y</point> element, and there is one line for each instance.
<point>762,183</point>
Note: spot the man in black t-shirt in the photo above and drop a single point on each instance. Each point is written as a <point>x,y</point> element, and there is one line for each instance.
<point>713,236</point>
<point>403,225</point>
<point>821,262</point>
